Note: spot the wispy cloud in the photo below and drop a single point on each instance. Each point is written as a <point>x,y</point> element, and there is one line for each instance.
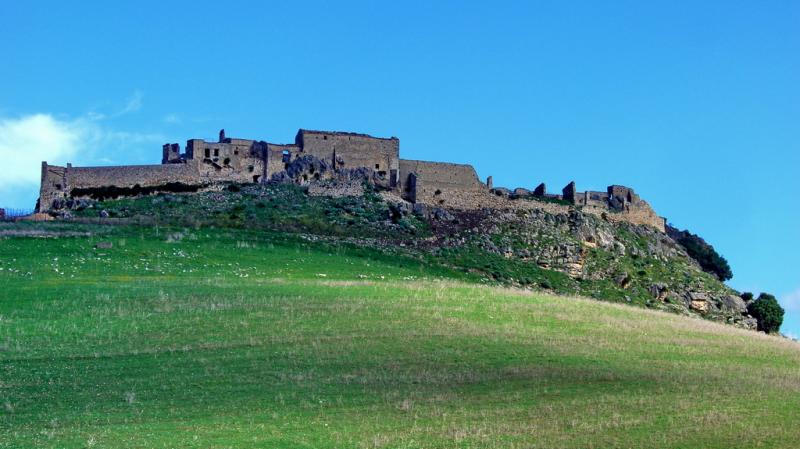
<point>791,301</point>
<point>132,104</point>
<point>171,119</point>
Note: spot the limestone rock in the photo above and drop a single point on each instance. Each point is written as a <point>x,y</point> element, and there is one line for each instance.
<point>698,296</point>
<point>750,323</point>
<point>734,304</point>
<point>659,290</point>
<point>700,306</point>
<point>623,280</point>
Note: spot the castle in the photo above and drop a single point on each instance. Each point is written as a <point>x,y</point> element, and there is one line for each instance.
<point>327,153</point>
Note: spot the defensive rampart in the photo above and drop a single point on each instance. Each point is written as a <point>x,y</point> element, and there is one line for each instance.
<point>343,154</point>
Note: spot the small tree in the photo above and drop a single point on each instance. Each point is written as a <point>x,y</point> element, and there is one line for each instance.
<point>767,312</point>
<point>705,255</point>
<point>747,296</point>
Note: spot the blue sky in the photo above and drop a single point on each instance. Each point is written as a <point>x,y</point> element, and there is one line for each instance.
<point>696,106</point>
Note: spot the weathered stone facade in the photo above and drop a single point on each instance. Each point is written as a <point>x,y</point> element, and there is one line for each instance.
<point>336,155</point>
<point>439,183</point>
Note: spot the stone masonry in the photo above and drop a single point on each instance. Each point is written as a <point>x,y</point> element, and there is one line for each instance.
<point>438,184</point>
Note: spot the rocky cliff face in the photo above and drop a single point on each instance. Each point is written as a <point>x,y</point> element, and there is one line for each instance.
<point>601,258</point>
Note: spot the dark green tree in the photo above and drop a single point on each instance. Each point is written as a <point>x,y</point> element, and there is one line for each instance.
<point>768,312</point>
<point>705,254</point>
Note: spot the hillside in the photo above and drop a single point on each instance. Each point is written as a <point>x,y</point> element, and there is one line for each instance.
<point>545,246</point>
<point>216,337</point>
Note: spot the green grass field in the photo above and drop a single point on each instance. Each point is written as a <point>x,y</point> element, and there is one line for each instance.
<point>220,338</point>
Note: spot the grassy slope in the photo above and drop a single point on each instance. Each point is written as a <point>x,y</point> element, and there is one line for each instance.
<point>230,338</point>
<point>287,208</point>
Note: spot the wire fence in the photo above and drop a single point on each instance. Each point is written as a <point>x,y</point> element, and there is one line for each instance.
<point>10,213</point>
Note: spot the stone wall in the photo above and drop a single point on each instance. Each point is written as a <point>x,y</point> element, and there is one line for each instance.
<point>59,183</point>
<point>592,198</point>
<point>619,203</point>
<point>638,213</point>
<point>170,153</point>
<point>278,156</point>
<point>347,154</point>
<point>239,160</point>
<point>439,183</point>
<point>53,186</point>
<point>350,150</point>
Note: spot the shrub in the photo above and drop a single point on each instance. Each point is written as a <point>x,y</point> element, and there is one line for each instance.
<point>768,312</point>
<point>747,296</point>
<point>705,254</point>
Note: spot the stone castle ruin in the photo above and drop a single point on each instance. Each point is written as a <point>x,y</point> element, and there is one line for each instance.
<point>320,157</point>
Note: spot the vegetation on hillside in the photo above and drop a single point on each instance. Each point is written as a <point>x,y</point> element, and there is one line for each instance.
<point>768,313</point>
<point>524,248</point>
<point>703,253</point>
<point>212,337</point>
<point>283,207</point>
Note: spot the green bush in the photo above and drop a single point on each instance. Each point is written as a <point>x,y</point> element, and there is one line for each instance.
<point>768,312</point>
<point>697,248</point>
<point>747,296</point>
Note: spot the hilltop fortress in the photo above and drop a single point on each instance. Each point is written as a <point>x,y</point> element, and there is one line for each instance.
<point>324,158</point>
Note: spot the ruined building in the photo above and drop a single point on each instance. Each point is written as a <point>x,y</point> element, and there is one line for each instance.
<point>318,156</point>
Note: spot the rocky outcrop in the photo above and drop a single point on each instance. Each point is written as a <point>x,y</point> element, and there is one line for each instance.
<point>640,263</point>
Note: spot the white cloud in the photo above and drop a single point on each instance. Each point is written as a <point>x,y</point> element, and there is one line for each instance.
<point>133,104</point>
<point>28,140</point>
<point>791,301</point>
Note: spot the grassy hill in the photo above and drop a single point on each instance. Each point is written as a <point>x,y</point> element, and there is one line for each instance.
<point>229,337</point>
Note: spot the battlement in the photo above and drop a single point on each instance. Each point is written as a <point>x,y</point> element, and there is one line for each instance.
<point>229,159</point>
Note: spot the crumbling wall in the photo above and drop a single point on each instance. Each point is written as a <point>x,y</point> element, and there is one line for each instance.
<point>623,193</point>
<point>569,193</point>
<point>170,153</point>
<point>59,183</point>
<point>351,150</point>
<point>238,160</point>
<point>278,157</point>
<point>53,186</point>
<point>440,183</point>
<point>592,198</point>
<point>130,175</point>
<point>639,212</point>
<point>333,157</point>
